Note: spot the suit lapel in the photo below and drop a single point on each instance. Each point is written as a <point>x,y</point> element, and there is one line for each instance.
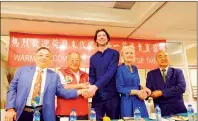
<point>169,74</point>
<point>30,78</point>
<point>159,76</point>
<point>48,77</point>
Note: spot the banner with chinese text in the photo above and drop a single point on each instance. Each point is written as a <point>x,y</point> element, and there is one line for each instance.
<point>23,46</point>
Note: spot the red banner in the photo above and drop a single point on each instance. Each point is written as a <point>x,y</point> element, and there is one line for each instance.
<point>23,46</point>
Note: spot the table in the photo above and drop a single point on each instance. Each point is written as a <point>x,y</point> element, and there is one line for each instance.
<point>181,114</point>
<point>146,119</point>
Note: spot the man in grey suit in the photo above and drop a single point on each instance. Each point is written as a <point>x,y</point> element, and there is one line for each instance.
<point>35,87</point>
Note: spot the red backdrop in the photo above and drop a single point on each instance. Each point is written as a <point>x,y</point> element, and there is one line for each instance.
<point>23,46</point>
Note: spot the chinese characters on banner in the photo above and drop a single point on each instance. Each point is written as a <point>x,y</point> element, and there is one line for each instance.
<point>23,46</point>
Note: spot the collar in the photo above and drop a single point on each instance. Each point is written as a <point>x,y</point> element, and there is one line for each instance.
<point>68,70</point>
<point>165,68</point>
<point>103,51</point>
<point>38,68</point>
<point>77,73</point>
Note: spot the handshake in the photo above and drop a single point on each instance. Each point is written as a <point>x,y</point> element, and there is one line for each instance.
<point>87,90</point>
<point>143,93</point>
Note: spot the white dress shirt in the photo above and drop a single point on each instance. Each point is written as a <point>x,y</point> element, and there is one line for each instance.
<point>44,74</point>
<point>77,75</point>
<point>165,71</point>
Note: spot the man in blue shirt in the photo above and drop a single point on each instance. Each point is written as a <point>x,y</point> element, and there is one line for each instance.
<point>103,66</point>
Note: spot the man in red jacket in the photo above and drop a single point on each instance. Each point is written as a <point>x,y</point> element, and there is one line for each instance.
<point>73,78</point>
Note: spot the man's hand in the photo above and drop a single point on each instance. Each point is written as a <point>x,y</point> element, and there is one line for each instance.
<point>157,93</point>
<point>148,91</point>
<point>85,93</point>
<point>92,90</point>
<point>142,94</point>
<point>10,115</point>
<point>82,92</point>
<point>84,85</point>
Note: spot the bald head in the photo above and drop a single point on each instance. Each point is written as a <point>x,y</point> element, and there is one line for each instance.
<point>74,60</point>
<point>162,58</point>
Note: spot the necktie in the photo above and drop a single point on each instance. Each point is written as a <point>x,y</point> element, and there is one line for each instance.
<point>37,89</point>
<point>164,75</point>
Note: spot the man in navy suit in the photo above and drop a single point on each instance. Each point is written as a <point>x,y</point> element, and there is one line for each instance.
<point>35,87</point>
<point>167,85</point>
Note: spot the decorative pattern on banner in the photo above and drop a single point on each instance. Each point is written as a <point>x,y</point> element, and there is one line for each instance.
<point>23,46</point>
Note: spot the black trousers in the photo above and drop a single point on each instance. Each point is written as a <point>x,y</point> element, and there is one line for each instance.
<point>85,117</point>
<point>28,116</point>
<point>110,107</point>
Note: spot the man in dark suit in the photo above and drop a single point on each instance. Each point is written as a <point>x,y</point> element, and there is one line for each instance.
<point>35,87</point>
<point>167,85</point>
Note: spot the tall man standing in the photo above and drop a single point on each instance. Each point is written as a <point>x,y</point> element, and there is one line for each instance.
<point>103,66</point>
<point>167,85</point>
<point>35,87</point>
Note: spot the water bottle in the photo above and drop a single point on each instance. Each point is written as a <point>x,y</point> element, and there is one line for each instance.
<point>92,115</point>
<point>190,113</point>
<point>137,114</point>
<point>72,116</point>
<point>158,113</point>
<point>36,116</point>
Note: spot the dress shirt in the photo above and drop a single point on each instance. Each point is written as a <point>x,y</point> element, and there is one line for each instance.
<point>29,99</point>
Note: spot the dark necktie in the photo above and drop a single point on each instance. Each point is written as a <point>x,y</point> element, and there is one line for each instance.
<point>164,74</point>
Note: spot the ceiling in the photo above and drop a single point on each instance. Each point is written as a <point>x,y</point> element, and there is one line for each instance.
<point>145,20</point>
<point>173,21</point>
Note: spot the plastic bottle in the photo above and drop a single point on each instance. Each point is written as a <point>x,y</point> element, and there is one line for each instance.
<point>72,116</point>
<point>190,113</point>
<point>137,114</point>
<point>37,114</point>
<point>92,115</point>
<point>158,113</point>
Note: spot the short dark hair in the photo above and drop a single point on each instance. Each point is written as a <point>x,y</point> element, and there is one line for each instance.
<point>43,48</point>
<point>99,30</point>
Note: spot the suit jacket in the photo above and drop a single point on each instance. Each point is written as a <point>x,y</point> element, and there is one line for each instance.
<point>20,87</point>
<point>172,89</point>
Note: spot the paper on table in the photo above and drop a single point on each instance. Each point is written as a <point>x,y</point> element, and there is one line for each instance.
<point>163,119</point>
<point>64,118</point>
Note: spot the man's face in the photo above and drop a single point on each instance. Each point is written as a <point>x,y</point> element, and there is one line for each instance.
<point>102,38</point>
<point>74,61</point>
<point>42,58</point>
<point>162,59</point>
